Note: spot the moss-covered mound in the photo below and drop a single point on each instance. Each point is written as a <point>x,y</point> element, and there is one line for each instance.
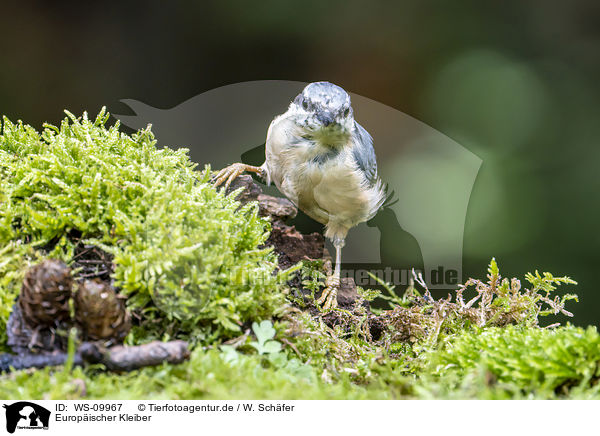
<point>177,243</point>
<point>191,262</point>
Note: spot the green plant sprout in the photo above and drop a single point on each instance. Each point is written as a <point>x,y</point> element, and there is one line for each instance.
<point>265,333</point>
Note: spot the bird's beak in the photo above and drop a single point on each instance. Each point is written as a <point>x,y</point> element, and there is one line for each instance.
<point>325,118</point>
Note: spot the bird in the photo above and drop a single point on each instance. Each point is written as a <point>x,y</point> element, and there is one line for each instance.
<point>324,162</point>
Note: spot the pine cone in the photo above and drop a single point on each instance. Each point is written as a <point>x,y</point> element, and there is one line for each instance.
<point>100,312</point>
<point>45,294</point>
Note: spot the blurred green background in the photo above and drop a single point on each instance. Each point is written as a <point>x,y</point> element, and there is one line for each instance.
<point>516,82</point>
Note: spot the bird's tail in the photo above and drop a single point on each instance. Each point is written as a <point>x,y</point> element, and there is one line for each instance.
<point>390,197</point>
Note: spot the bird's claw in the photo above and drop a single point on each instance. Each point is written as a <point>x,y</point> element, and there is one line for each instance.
<point>229,174</point>
<point>328,298</point>
<point>232,172</point>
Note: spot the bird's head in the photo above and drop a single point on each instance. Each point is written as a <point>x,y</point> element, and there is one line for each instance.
<point>323,113</point>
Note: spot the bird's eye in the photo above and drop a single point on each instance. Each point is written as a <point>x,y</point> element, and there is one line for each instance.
<point>346,112</point>
<point>305,104</point>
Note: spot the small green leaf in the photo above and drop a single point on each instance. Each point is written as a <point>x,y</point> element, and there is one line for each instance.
<point>271,347</point>
<point>230,355</point>
<point>263,331</point>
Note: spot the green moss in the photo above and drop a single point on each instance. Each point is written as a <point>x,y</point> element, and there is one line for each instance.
<point>206,375</point>
<point>179,245</point>
<point>539,362</point>
<point>499,363</point>
<point>189,260</point>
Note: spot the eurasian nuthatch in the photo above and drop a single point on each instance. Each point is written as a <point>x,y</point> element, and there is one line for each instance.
<point>324,162</point>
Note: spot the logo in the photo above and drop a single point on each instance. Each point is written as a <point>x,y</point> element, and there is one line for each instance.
<point>430,174</point>
<point>26,415</point>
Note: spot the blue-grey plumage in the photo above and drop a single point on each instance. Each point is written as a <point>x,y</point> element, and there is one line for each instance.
<point>324,162</point>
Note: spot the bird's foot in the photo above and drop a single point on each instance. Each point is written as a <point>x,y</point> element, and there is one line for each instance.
<point>328,298</point>
<point>230,173</point>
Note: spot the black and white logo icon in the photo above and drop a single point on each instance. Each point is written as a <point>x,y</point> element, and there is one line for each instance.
<point>26,415</point>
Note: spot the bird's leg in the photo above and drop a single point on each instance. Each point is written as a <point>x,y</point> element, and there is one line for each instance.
<point>230,173</point>
<point>329,296</point>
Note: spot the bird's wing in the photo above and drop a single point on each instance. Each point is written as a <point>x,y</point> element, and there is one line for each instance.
<point>364,153</point>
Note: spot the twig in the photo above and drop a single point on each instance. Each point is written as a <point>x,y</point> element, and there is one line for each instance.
<point>117,358</point>
<point>292,346</point>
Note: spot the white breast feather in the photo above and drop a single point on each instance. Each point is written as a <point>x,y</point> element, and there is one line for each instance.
<point>334,193</point>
